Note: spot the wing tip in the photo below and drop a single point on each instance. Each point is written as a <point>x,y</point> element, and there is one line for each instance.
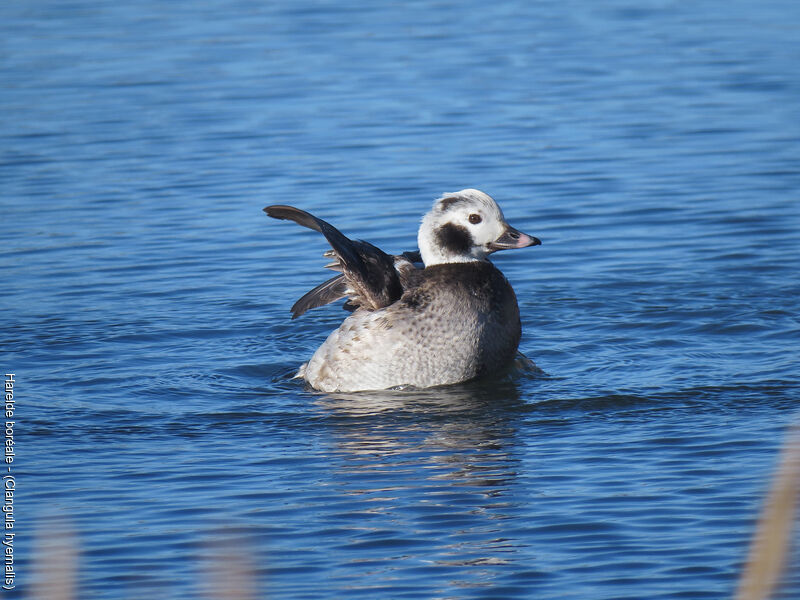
<point>280,211</point>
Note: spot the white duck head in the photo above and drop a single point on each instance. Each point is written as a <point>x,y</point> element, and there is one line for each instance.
<point>467,226</point>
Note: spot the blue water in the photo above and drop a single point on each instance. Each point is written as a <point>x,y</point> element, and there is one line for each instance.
<point>652,146</point>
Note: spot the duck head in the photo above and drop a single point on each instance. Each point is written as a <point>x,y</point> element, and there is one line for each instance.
<point>467,226</point>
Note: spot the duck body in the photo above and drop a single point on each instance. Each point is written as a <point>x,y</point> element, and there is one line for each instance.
<point>458,322</point>
<point>453,320</point>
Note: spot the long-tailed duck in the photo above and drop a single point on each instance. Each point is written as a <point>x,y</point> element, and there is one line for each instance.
<point>452,320</point>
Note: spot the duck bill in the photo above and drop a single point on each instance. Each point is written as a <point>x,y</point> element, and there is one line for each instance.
<point>512,238</point>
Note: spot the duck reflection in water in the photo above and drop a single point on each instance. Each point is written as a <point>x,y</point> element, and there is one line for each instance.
<point>433,464</point>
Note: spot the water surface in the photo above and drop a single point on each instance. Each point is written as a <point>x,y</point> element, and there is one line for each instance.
<point>653,147</point>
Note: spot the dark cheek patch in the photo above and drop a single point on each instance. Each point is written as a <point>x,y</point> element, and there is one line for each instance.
<point>454,238</point>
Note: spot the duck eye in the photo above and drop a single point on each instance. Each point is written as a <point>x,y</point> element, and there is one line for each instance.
<point>475,218</point>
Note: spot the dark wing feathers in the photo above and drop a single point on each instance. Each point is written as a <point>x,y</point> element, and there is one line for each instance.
<point>369,278</point>
<point>343,246</point>
<point>325,293</point>
<point>413,257</point>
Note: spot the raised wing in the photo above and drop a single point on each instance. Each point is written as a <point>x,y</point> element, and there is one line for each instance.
<point>325,293</point>
<point>407,264</point>
<point>369,276</point>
